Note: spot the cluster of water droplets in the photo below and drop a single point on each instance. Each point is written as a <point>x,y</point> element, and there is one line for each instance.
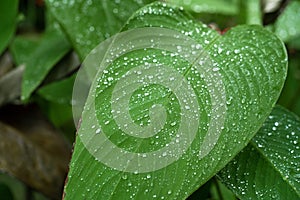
<point>116,86</point>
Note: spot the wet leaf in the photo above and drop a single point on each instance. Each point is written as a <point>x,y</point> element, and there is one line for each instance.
<point>89,22</point>
<point>32,150</point>
<point>8,15</point>
<point>268,168</point>
<point>252,63</point>
<point>52,47</point>
<point>287,25</point>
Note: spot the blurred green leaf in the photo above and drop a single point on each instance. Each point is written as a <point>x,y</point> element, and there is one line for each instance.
<point>89,22</point>
<point>268,168</point>
<point>17,188</point>
<point>52,47</point>
<point>59,95</point>
<point>290,95</point>
<point>287,25</point>
<point>23,47</point>
<point>59,91</point>
<point>8,15</point>
<point>227,7</point>
<point>5,192</point>
<point>250,12</point>
<point>64,68</point>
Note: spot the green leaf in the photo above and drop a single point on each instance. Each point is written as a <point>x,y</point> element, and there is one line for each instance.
<point>287,25</point>
<point>5,192</point>
<point>22,47</point>
<point>220,191</point>
<point>17,188</point>
<point>8,15</point>
<point>52,47</point>
<point>203,191</point>
<point>252,64</point>
<point>59,91</point>
<point>227,7</point>
<point>89,22</point>
<point>268,168</point>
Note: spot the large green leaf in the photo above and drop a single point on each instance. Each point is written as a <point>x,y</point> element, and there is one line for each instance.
<point>8,15</point>
<point>51,48</point>
<point>268,168</point>
<point>90,22</point>
<point>252,64</point>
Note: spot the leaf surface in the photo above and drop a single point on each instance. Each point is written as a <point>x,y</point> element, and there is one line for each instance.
<point>8,15</point>
<point>52,47</point>
<point>22,47</point>
<point>268,168</point>
<point>252,63</point>
<point>287,25</point>
<point>59,91</point>
<point>89,22</point>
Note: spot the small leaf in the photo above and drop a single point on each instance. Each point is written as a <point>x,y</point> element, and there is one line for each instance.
<point>268,168</point>
<point>8,15</point>
<point>89,22</point>
<point>252,63</point>
<point>52,47</point>
<point>59,91</point>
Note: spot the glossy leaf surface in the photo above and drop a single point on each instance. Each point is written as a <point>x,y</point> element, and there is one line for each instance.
<point>252,63</point>
<point>268,168</point>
